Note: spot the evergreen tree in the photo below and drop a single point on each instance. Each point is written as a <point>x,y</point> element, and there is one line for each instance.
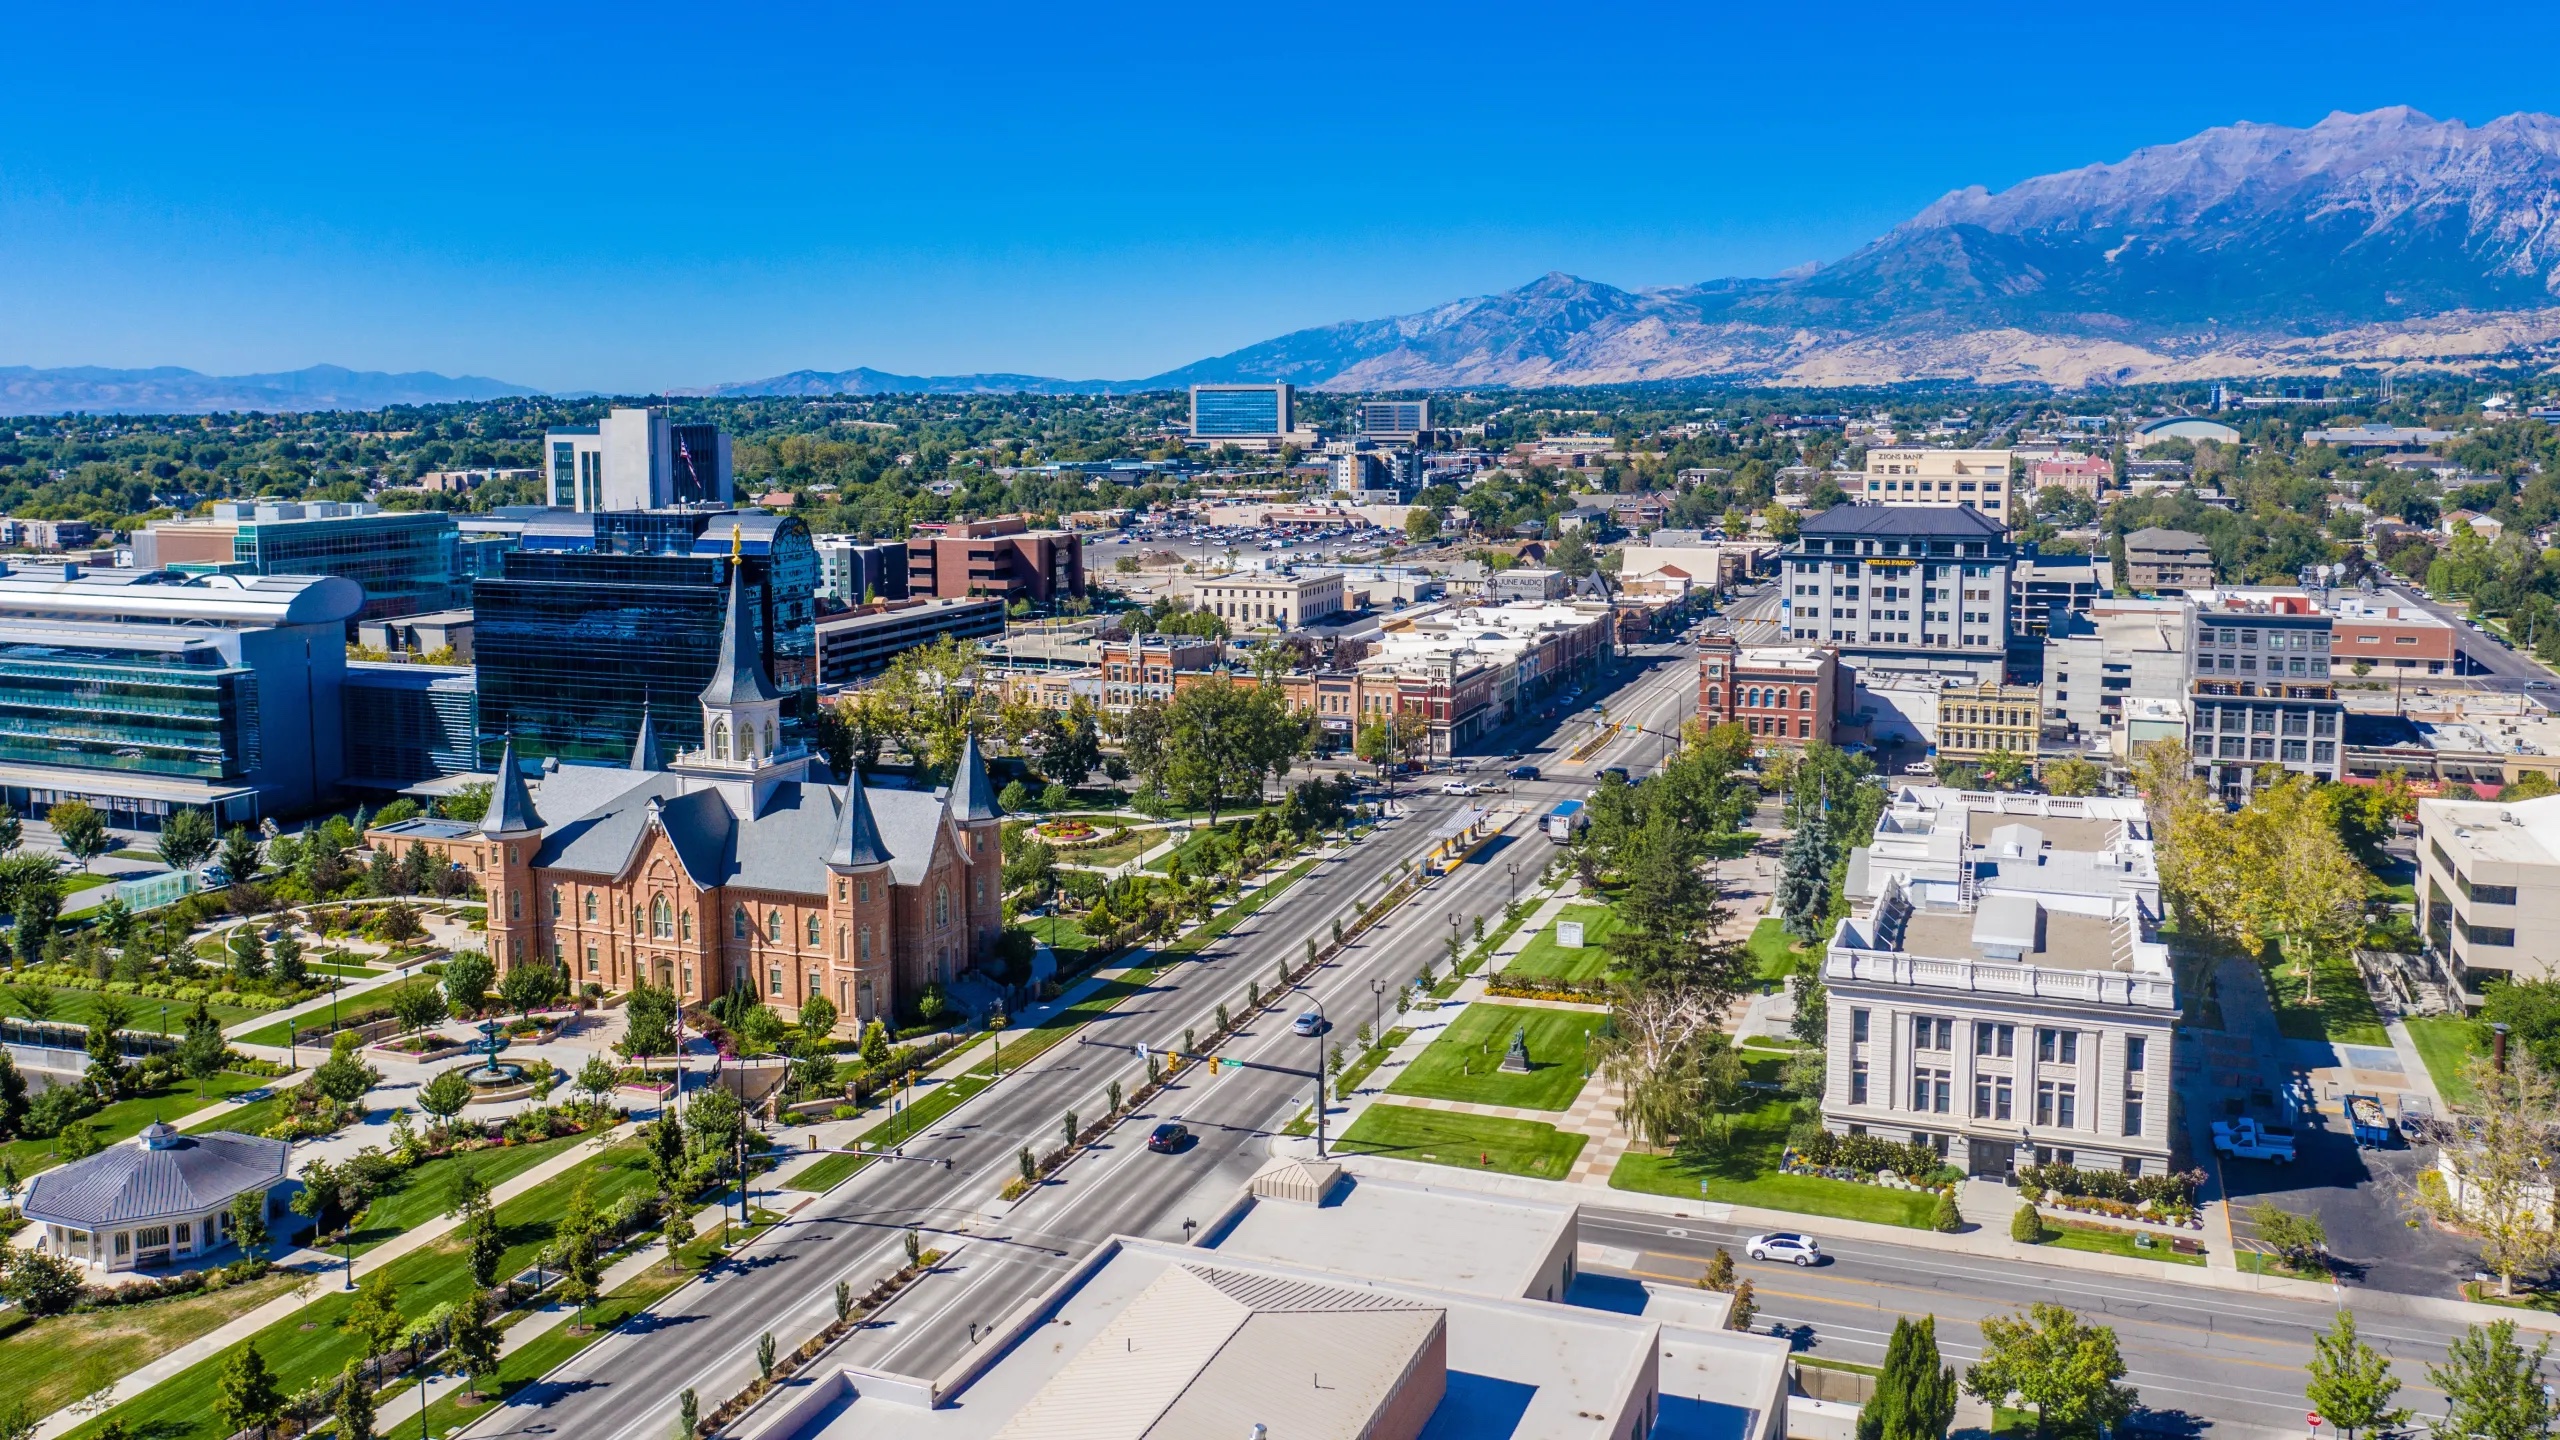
<point>1915,1396</point>
<point>1803,897</point>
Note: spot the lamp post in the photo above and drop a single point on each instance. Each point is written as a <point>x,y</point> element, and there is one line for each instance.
<point>1322,1025</point>
<point>1377,1006</point>
<point>1513,870</point>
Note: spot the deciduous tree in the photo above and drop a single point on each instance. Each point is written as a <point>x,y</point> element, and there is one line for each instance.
<point>2351,1382</point>
<point>2064,1369</point>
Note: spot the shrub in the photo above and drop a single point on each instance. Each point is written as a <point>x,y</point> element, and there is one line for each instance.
<point>1946,1219</point>
<point>2027,1227</point>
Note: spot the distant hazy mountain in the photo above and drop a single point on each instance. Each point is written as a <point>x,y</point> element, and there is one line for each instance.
<point>2385,236</point>
<point>169,390</point>
<point>862,380</point>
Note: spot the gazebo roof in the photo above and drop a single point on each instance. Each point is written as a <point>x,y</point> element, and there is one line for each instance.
<point>164,1177</point>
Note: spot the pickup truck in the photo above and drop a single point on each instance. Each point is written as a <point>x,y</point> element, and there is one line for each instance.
<point>2246,1139</point>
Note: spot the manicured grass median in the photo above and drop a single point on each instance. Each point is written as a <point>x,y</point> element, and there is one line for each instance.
<point>181,1407</point>
<point>1545,958</point>
<point>2447,1043</point>
<point>1477,1142</point>
<point>1466,1062</point>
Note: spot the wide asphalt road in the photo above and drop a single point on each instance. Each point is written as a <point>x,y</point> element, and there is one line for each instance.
<point>704,1337</point>
<point>2220,1362</point>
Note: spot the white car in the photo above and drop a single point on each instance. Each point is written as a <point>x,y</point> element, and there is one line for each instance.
<point>1309,1023</point>
<point>1458,787</point>
<point>1784,1245</point>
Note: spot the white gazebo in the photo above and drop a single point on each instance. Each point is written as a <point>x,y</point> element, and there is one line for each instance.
<point>163,1200</point>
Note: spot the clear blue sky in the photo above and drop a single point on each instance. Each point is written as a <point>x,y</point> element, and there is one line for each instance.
<point>642,195</point>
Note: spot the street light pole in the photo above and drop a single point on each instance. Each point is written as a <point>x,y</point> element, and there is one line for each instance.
<point>1321,1026</point>
<point>1377,1006</point>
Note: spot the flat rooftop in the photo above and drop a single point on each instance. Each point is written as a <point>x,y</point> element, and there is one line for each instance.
<point>2059,831</point>
<point>2062,940</point>
<point>1424,1235</point>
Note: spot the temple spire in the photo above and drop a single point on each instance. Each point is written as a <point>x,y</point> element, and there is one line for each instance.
<point>739,678</point>
<point>510,809</point>
<point>972,796</point>
<point>644,748</point>
<point>858,843</point>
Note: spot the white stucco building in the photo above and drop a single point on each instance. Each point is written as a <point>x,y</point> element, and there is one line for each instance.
<point>2000,993</point>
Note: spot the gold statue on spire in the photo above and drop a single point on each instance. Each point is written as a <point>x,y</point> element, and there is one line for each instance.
<point>737,541</point>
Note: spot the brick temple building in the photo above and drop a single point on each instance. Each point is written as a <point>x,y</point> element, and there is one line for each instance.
<point>738,863</point>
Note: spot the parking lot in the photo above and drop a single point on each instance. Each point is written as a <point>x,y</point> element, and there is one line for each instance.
<point>2362,1198</point>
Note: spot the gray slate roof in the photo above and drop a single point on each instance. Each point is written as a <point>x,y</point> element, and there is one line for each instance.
<point>785,848</point>
<point>1952,521</point>
<point>972,797</point>
<point>510,807</point>
<point>128,1184</point>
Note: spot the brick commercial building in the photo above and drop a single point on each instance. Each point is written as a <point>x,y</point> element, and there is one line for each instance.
<point>1781,692</point>
<point>2389,636</point>
<point>737,863</point>
<point>1003,557</point>
<point>2082,474</point>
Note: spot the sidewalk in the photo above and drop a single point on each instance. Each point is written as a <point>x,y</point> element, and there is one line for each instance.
<point>285,1306</point>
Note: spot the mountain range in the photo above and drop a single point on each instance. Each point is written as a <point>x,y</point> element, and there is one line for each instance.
<point>2383,238</point>
<point>170,390</point>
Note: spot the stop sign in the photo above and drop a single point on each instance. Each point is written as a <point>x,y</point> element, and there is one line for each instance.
<point>2314,1419</point>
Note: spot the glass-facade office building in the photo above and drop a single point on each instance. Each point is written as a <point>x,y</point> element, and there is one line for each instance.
<point>407,723</point>
<point>572,643</point>
<point>1239,411</point>
<point>406,562</point>
<point>103,700</point>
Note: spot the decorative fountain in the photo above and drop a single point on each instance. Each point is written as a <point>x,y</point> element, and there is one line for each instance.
<point>493,1079</point>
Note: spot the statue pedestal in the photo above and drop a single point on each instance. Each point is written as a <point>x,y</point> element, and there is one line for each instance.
<point>1517,1058</point>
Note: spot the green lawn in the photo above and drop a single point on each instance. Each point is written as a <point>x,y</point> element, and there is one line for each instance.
<point>1477,1142</point>
<point>1066,935</point>
<point>1744,1171</point>
<point>1773,952</point>
<point>124,1119</point>
<point>181,1407</point>
<point>2446,1043</point>
<point>78,880</point>
<point>2107,1240</point>
<point>539,1357</point>
<point>74,1007</point>
<point>50,1363</point>
<point>428,1191</point>
<point>1543,957</point>
<point>1120,850</point>
<point>250,1119</point>
<point>1359,1069</point>
<point>2341,1010</point>
<point>1465,1063</point>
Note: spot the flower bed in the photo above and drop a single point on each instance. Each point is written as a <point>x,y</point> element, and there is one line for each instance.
<point>424,1047</point>
<point>1792,1163</point>
<point>1065,832</point>
<point>1544,987</point>
<point>2143,1212</point>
